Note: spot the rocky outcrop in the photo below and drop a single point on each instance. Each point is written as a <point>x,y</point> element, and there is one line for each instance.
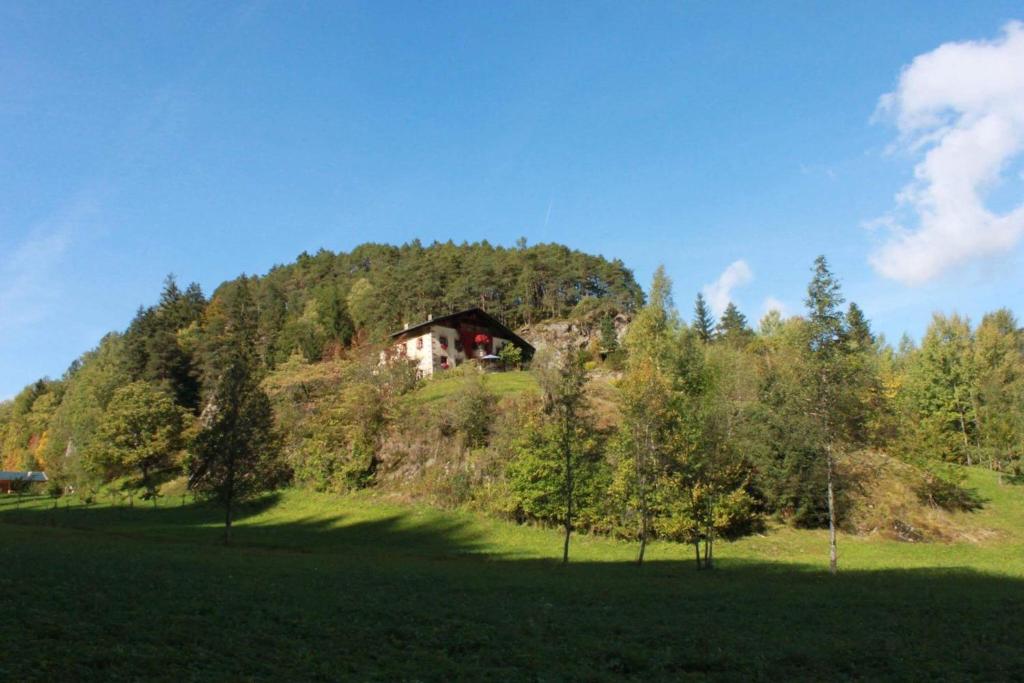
<point>580,334</point>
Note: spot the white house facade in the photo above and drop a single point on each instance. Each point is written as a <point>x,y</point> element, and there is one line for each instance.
<point>438,344</point>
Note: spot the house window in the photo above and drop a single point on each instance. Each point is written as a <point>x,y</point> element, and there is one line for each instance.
<point>403,349</point>
<point>419,342</point>
<point>444,362</point>
<point>443,341</point>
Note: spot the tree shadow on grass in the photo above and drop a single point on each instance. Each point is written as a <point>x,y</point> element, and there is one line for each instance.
<point>201,522</point>
<point>398,598</point>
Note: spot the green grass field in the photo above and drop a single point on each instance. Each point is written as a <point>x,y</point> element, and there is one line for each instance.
<point>500,383</point>
<point>318,587</point>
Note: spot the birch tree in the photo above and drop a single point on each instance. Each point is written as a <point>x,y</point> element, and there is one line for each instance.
<point>829,377</point>
<point>562,380</point>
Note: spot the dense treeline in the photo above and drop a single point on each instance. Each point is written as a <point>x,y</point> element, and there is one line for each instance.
<point>180,348</point>
<point>715,424</point>
<point>319,303</point>
<point>710,426</point>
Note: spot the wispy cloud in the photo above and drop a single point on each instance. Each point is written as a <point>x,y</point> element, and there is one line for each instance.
<point>772,304</point>
<point>818,170</point>
<point>30,279</point>
<point>719,292</point>
<point>960,108</point>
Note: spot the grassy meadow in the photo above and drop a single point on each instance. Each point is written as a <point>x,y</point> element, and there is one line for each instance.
<point>319,587</point>
<point>499,383</point>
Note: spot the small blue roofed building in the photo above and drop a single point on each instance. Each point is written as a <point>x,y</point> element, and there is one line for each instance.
<point>9,480</point>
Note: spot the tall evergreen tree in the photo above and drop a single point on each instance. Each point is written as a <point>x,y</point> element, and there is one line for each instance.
<point>828,375</point>
<point>858,329</point>
<point>703,322</point>
<point>236,454</point>
<point>733,328</point>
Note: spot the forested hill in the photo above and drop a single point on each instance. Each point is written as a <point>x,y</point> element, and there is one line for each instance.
<point>323,300</point>
<point>316,306</point>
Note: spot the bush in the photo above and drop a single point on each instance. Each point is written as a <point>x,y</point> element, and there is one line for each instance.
<point>474,411</point>
<point>948,494</point>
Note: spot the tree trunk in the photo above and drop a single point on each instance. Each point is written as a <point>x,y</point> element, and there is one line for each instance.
<point>963,431</point>
<point>642,481</point>
<point>229,498</point>
<point>568,491</point>
<point>709,537</point>
<point>227,522</point>
<point>963,423</point>
<point>833,559</point>
<point>643,537</point>
<point>149,487</point>
<point>696,553</point>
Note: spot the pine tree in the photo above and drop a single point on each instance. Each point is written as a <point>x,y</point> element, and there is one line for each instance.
<point>858,329</point>
<point>609,337</point>
<point>236,454</point>
<point>733,328</point>
<point>703,322</point>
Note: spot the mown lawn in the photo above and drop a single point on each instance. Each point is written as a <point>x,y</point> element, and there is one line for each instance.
<point>501,383</point>
<point>326,588</point>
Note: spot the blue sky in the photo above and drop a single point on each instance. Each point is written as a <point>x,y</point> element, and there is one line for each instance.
<point>210,139</point>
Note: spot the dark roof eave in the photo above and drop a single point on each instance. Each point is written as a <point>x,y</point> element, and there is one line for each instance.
<point>494,321</point>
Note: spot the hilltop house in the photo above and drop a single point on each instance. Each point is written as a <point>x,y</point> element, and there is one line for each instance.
<point>451,340</point>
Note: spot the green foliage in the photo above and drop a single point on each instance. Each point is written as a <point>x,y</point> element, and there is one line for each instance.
<point>333,416</point>
<point>511,356</point>
<point>236,452</point>
<point>941,420</point>
<point>733,328</point>
<point>473,413</point>
<point>703,322</point>
<point>743,420</point>
<point>140,430</point>
<point>537,476</point>
<point>153,350</point>
<point>609,336</point>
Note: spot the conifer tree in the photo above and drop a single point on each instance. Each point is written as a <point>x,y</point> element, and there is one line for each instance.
<point>858,329</point>
<point>703,322</point>
<point>733,328</point>
<point>828,375</point>
<point>609,337</point>
<point>236,454</point>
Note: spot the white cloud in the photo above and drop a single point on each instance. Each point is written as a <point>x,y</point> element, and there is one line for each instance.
<point>772,304</point>
<point>719,292</point>
<point>31,281</point>
<point>26,287</point>
<point>960,108</point>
